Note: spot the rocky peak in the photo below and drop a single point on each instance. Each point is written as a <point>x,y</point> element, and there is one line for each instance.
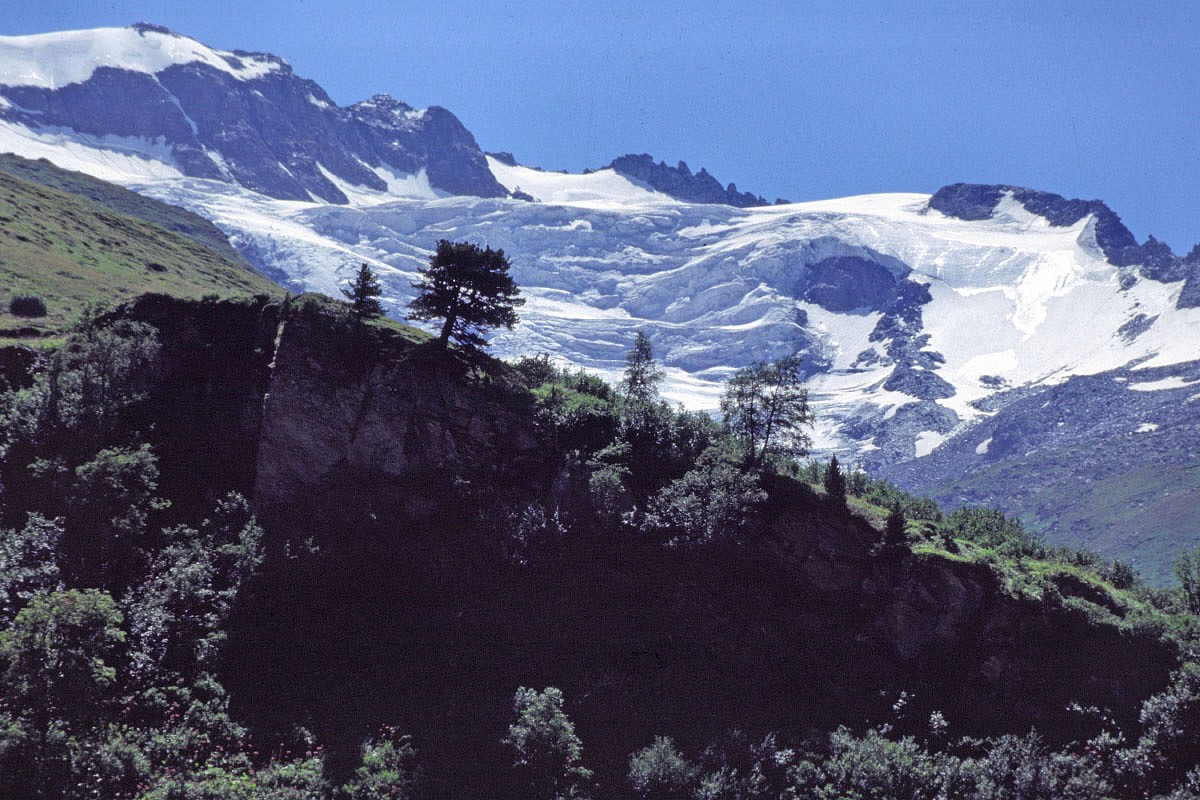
<point>1154,259</point>
<point>148,27</point>
<point>381,106</point>
<point>976,201</point>
<point>240,117</point>
<point>680,183</point>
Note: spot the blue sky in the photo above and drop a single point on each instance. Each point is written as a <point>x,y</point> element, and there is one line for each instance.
<point>804,100</point>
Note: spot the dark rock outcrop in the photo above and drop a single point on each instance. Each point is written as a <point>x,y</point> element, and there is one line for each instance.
<point>680,183</point>
<point>849,283</point>
<point>899,332</point>
<point>1189,297</point>
<point>383,408</point>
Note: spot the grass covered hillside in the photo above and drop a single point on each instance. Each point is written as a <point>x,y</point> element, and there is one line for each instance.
<point>67,240</point>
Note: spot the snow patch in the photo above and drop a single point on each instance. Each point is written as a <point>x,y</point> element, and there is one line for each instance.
<point>1173,382</point>
<point>1147,427</point>
<point>982,448</point>
<point>601,189</point>
<point>927,442</point>
<point>120,159</point>
<point>54,60</point>
<point>399,186</point>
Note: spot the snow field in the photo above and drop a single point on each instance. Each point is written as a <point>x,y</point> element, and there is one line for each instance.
<point>54,60</point>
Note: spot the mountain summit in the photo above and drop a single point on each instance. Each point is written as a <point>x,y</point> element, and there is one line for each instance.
<point>231,116</point>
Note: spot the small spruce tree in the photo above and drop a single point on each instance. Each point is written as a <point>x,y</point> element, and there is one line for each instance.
<point>642,373</point>
<point>894,533</point>
<point>835,484</point>
<point>364,294</point>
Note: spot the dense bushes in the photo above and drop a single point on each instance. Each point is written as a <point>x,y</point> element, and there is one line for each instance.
<point>27,305</point>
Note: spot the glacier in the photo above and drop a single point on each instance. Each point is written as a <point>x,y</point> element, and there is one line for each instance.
<point>1013,300</point>
<point>944,336</point>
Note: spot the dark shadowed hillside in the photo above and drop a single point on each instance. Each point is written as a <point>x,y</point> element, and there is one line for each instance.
<point>436,532</point>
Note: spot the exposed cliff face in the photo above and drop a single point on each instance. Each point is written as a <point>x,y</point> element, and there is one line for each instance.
<point>280,401</point>
<point>380,407</point>
<point>950,632</point>
<point>1010,657</point>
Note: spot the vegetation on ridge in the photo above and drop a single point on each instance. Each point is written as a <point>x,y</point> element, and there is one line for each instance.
<point>622,611</point>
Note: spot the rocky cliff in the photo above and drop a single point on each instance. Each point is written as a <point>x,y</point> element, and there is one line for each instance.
<point>364,402</point>
<point>277,399</point>
<point>680,183</point>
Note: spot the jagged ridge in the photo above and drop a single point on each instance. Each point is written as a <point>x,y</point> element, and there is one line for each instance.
<point>680,183</point>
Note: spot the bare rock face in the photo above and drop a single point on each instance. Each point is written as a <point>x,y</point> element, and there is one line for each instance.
<point>932,605</point>
<point>820,551</point>
<point>277,402</point>
<point>680,183</point>
<point>372,407</point>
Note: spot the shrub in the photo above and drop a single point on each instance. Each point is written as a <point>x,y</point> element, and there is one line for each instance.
<point>715,501</point>
<point>388,770</point>
<point>544,745</point>
<point>27,305</point>
<point>660,772</point>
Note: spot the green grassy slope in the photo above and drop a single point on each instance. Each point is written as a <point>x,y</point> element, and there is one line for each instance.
<point>71,250</point>
<point>123,201</point>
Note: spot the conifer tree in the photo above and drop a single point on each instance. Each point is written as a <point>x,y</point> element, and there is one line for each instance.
<point>469,288</point>
<point>835,484</point>
<point>642,373</point>
<point>894,533</point>
<point>364,294</point>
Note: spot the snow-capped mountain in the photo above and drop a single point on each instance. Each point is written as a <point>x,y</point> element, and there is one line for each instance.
<point>932,326</point>
<point>240,117</point>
